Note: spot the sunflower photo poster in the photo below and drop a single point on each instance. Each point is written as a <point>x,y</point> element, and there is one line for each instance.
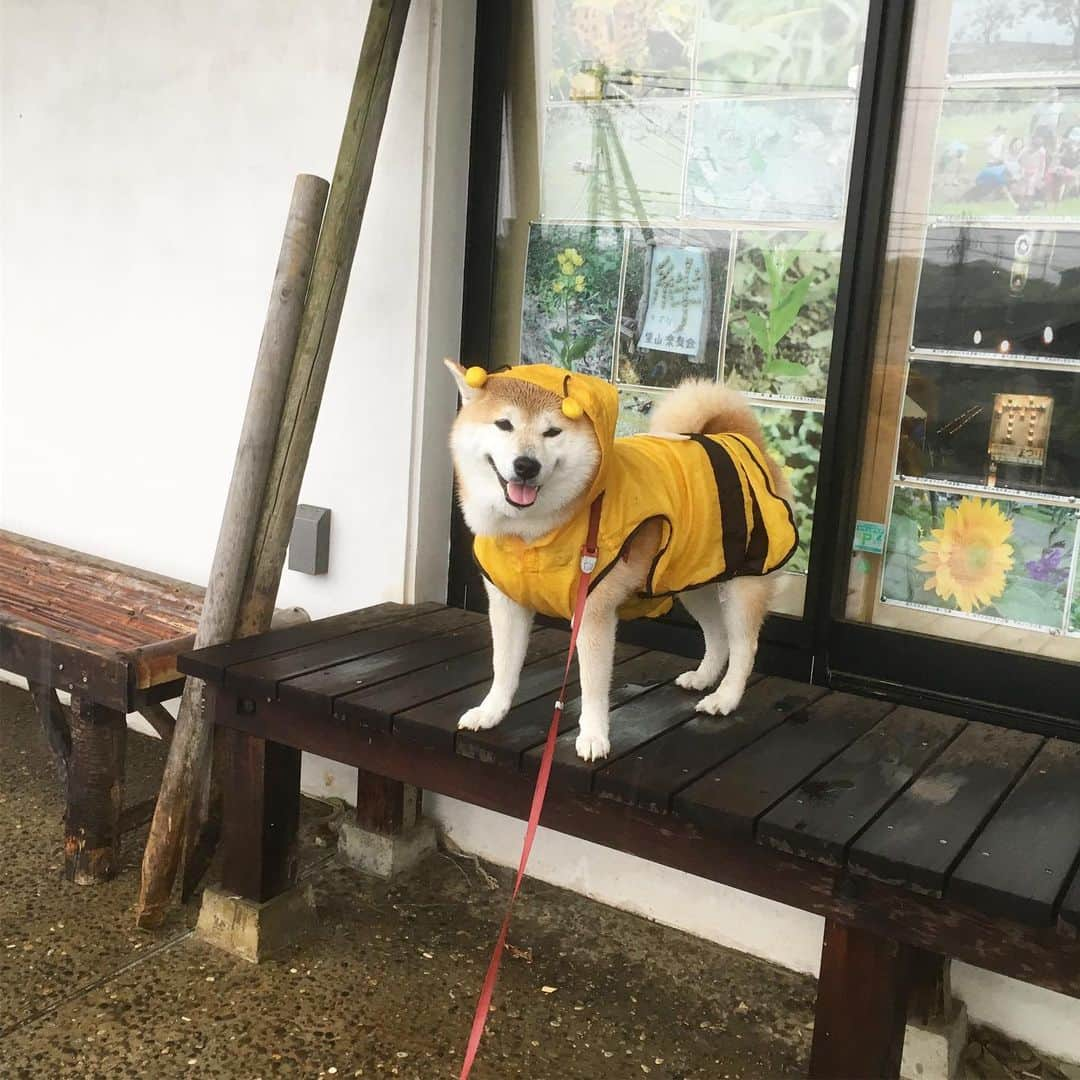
<point>980,557</point>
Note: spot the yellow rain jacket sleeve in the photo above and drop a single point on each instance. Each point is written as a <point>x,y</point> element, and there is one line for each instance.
<point>713,494</point>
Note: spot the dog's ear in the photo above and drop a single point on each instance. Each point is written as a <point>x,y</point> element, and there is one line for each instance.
<point>467,391</point>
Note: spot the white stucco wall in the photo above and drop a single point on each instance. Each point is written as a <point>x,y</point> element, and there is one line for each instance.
<point>147,154</point>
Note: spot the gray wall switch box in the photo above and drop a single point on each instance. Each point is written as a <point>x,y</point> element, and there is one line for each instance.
<point>309,545</point>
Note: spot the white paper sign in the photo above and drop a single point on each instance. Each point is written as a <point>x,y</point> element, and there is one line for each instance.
<point>678,300</point>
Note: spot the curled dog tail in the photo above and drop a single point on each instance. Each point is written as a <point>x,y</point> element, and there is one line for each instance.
<point>702,407</point>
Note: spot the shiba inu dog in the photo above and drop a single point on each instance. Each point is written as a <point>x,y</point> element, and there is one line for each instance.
<point>696,509</point>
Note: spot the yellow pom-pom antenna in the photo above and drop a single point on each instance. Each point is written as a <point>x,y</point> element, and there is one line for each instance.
<point>572,409</point>
<point>476,377</point>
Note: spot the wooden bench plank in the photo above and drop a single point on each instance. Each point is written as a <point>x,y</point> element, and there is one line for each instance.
<point>435,724</point>
<point>378,705</point>
<point>526,728</point>
<point>918,839</point>
<point>640,711</point>
<point>1021,862</point>
<point>211,663</point>
<point>318,690</point>
<point>263,677</point>
<point>651,776</point>
<point>795,740</point>
<point>830,808</point>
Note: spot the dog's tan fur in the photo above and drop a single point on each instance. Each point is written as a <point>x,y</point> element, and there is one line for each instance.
<point>730,615</point>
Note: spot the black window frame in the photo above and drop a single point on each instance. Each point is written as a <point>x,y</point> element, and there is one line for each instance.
<point>822,646</point>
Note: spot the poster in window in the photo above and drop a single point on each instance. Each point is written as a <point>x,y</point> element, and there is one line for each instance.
<point>619,162</point>
<point>673,306</point>
<point>783,302</point>
<point>571,297</point>
<point>978,556</point>
<point>620,48</point>
<point>1003,292</point>
<point>759,46</point>
<point>784,159</point>
<point>1007,153</point>
<point>1074,611</point>
<point>1016,428</point>
<point>1014,37</point>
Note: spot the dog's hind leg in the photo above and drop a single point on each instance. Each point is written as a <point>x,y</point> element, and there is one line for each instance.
<point>708,612</point>
<point>510,628</point>
<point>746,601</point>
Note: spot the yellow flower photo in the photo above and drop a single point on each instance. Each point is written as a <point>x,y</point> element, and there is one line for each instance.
<point>969,557</point>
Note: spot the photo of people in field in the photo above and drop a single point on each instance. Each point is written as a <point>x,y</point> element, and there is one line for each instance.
<point>1008,152</point>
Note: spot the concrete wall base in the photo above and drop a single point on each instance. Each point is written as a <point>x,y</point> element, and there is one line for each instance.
<point>933,1052</point>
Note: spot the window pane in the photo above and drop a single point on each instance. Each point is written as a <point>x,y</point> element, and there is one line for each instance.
<point>693,157</point>
<point>969,500</point>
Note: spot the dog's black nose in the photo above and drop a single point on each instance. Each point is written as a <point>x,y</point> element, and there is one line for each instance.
<point>526,468</point>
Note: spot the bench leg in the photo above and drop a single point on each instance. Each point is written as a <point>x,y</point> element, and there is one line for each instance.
<point>861,1006</point>
<point>388,835</point>
<point>259,908</point>
<point>262,817</point>
<point>95,792</point>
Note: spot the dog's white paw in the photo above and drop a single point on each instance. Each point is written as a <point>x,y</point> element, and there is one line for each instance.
<point>722,701</point>
<point>592,747</point>
<point>696,680</point>
<point>480,718</point>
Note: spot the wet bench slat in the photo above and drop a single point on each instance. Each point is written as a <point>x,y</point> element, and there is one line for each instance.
<point>211,663</point>
<point>1020,864</point>
<point>734,796</point>
<point>319,689</point>
<point>527,722</point>
<point>831,807</point>
<point>651,776</point>
<point>263,676</point>
<point>925,832</point>
<point>379,705</point>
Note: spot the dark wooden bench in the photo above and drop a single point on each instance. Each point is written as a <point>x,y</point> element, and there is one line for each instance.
<point>915,835</point>
<point>109,635</point>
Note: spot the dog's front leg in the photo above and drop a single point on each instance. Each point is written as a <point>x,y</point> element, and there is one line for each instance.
<point>596,652</point>
<point>510,628</point>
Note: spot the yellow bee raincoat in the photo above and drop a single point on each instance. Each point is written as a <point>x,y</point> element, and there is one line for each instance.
<point>713,494</point>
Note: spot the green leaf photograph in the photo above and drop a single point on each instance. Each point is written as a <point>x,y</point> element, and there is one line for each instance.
<point>571,296</point>
<point>973,556</point>
<point>755,46</point>
<point>783,302</point>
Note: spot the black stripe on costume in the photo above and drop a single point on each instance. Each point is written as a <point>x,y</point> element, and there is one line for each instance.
<point>757,550</point>
<point>767,477</point>
<point>729,488</point>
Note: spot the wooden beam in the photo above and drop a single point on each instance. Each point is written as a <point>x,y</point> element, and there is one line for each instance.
<point>861,1008</point>
<point>95,796</point>
<point>54,722</point>
<point>322,312</point>
<point>189,751</point>
<point>160,719</point>
<point>384,805</point>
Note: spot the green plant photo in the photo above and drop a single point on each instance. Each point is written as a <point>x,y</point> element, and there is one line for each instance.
<point>782,307</point>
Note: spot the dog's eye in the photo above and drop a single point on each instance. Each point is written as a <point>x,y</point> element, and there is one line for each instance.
<point>504,425</point>
<point>552,432</point>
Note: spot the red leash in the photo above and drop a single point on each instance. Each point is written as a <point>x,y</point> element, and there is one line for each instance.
<point>588,565</point>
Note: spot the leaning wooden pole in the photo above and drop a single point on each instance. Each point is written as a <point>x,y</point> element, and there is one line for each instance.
<point>322,313</point>
<point>188,751</point>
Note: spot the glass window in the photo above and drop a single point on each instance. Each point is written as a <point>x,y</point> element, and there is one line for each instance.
<point>969,498</point>
<point>674,187</point>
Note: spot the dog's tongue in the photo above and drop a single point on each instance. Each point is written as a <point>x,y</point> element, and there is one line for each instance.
<point>521,494</point>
